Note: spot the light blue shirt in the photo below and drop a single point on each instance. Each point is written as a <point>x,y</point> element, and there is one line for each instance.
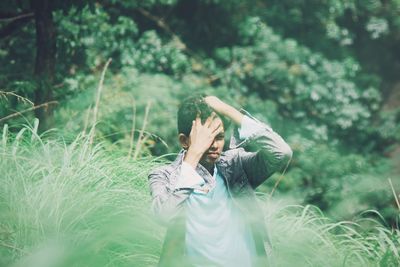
<point>216,234</point>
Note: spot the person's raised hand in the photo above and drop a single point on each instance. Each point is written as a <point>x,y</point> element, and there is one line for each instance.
<point>224,109</point>
<point>202,136</point>
<point>216,104</point>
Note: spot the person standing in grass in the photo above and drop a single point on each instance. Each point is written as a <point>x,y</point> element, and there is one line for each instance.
<point>206,196</point>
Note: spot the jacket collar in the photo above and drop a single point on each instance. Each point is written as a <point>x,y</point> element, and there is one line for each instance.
<point>221,165</point>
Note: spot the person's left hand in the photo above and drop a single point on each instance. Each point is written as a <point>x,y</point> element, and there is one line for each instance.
<point>215,103</point>
<point>224,109</point>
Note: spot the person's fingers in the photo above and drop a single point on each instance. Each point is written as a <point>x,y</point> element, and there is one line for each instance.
<point>215,124</point>
<point>197,121</point>
<point>218,130</point>
<point>195,125</point>
<point>210,119</point>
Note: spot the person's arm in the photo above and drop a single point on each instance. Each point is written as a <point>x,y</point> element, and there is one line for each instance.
<point>167,197</point>
<point>273,154</point>
<point>224,109</point>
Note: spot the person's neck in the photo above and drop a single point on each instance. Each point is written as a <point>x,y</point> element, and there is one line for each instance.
<point>209,167</point>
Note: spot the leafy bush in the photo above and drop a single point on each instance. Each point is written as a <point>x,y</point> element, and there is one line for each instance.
<point>339,183</point>
<point>122,110</point>
<point>151,55</point>
<point>306,86</point>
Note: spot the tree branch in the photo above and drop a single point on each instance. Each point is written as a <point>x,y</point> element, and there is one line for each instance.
<point>10,18</point>
<point>19,113</point>
<point>14,25</point>
<point>161,23</point>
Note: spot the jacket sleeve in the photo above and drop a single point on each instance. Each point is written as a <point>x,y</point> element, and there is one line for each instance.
<point>273,153</point>
<point>169,190</point>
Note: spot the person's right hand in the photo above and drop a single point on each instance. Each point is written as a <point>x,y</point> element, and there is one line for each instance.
<point>201,137</point>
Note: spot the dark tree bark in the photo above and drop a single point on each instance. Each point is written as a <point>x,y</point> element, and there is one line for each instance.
<point>45,60</point>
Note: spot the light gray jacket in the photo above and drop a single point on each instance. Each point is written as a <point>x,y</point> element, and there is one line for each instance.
<point>242,171</point>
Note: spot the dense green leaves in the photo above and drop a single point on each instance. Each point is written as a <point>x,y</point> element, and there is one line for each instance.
<point>307,86</point>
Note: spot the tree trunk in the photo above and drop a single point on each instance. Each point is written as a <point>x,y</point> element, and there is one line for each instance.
<point>45,60</point>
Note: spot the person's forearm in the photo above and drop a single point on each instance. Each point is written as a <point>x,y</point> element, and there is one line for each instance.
<point>232,113</point>
<point>224,109</point>
<point>192,157</point>
<point>165,204</point>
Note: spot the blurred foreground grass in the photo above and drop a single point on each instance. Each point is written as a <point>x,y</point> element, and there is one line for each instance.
<point>77,204</point>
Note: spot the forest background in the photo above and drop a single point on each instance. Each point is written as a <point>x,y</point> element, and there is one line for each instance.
<point>323,74</point>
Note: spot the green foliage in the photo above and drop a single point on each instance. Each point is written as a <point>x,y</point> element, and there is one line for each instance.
<point>340,183</point>
<point>151,55</point>
<point>142,3</point>
<point>333,18</point>
<point>124,99</point>
<point>64,205</point>
<point>89,37</point>
<point>307,87</point>
<point>390,128</point>
<point>365,30</point>
<point>312,240</point>
<point>16,55</point>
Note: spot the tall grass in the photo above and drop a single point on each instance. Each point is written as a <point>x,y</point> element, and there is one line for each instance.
<point>63,205</point>
<point>78,205</point>
<point>303,236</point>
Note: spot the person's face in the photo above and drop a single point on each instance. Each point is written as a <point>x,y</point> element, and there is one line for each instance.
<point>214,151</point>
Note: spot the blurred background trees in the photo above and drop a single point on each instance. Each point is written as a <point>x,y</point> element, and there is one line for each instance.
<point>324,74</point>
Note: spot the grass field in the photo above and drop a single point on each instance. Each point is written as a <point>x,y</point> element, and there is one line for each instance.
<point>77,204</point>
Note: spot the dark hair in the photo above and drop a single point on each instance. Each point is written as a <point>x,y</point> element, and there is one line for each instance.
<point>188,110</point>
